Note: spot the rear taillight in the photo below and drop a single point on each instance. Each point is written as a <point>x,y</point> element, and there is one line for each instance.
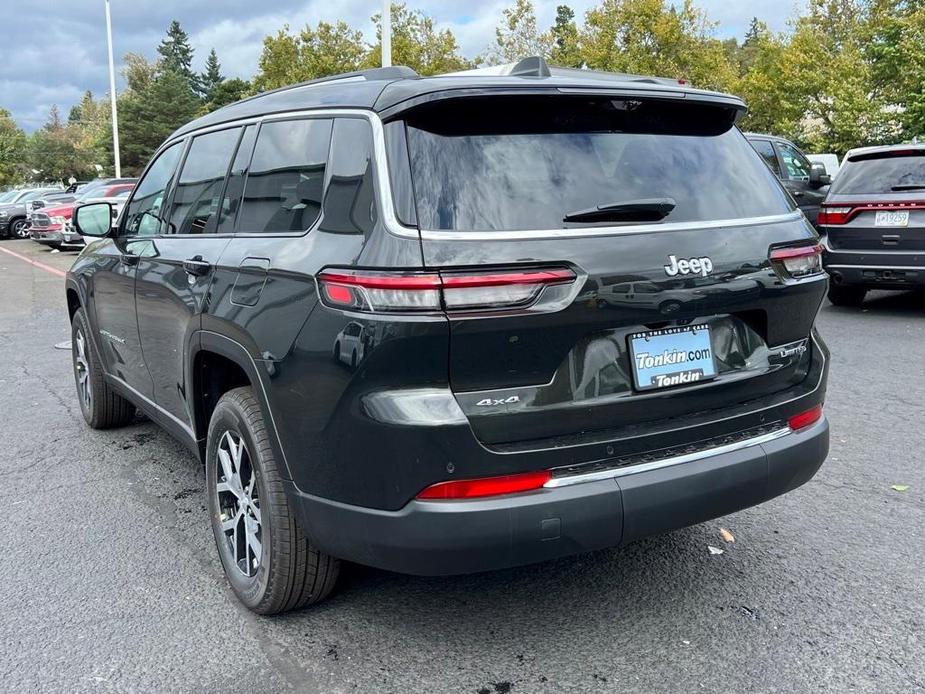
<point>798,262</point>
<point>487,486</point>
<point>834,215</point>
<point>804,419</point>
<point>371,291</point>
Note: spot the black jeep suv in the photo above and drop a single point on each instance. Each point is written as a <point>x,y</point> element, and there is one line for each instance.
<point>451,324</point>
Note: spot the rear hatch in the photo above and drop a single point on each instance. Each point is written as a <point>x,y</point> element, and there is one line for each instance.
<point>623,245</point>
<point>877,203</point>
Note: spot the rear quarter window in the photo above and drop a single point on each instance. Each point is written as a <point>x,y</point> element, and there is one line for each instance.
<point>520,163</point>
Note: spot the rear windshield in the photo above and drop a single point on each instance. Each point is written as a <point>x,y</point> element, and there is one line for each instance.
<point>881,174</point>
<point>524,163</point>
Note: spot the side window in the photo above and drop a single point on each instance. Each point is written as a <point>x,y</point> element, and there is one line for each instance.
<point>286,177</point>
<point>235,186</point>
<point>350,198</point>
<point>196,196</point>
<point>797,166</point>
<point>143,214</point>
<point>766,150</point>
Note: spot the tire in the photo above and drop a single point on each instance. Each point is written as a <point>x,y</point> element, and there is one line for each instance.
<point>846,296</point>
<point>337,351</point>
<point>100,405</point>
<point>353,360</point>
<point>273,568</point>
<point>17,226</point>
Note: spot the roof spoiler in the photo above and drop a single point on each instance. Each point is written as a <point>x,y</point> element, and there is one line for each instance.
<point>536,66</point>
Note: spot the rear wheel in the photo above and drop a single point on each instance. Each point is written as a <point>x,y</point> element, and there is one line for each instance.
<point>269,562</point>
<point>846,296</point>
<point>100,405</point>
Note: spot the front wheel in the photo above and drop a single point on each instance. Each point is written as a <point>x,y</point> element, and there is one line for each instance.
<point>846,296</point>
<point>18,229</point>
<point>100,405</point>
<point>268,560</point>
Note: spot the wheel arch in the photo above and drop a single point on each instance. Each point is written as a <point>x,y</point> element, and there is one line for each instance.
<point>219,364</point>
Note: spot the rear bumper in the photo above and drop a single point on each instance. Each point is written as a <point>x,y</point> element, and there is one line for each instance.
<point>875,269</point>
<point>452,537</point>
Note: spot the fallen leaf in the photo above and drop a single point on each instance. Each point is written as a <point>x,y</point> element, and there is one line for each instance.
<point>726,535</point>
<point>899,487</point>
<point>714,550</point>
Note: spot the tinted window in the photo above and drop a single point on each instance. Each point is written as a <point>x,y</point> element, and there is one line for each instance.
<point>235,186</point>
<point>882,174</point>
<point>199,188</point>
<point>350,199</point>
<point>766,150</point>
<point>795,164</point>
<point>286,177</point>
<point>143,215</point>
<point>525,165</point>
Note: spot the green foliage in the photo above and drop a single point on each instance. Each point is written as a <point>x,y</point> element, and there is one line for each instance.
<point>417,44</point>
<point>212,77</point>
<point>518,37</point>
<point>227,92</point>
<point>148,116</point>
<point>177,56</point>
<point>12,149</point>
<point>327,49</point>
<point>566,50</point>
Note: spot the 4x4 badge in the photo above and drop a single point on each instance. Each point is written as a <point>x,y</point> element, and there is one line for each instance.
<point>686,266</point>
<point>488,402</point>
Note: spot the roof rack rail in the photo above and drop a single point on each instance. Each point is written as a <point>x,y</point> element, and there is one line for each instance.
<point>375,74</point>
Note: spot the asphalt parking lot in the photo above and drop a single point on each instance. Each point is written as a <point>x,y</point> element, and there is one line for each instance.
<point>109,579</point>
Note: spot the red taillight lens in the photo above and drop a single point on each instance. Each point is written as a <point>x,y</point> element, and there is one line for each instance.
<point>834,215</point>
<point>804,419</point>
<point>361,290</point>
<point>798,262</point>
<point>487,486</point>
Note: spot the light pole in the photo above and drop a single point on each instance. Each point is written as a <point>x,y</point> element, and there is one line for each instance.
<point>112,96</point>
<point>386,33</point>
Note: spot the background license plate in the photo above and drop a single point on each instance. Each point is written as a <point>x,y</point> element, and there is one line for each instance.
<point>672,357</point>
<point>892,219</point>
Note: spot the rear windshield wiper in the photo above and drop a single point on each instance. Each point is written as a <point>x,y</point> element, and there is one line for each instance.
<point>642,210</point>
<point>908,186</point>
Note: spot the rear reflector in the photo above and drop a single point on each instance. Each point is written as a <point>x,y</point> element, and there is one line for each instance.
<point>798,262</point>
<point>804,419</point>
<point>487,486</point>
<point>371,291</point>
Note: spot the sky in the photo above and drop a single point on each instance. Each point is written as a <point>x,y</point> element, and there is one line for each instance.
<point>59,49</point>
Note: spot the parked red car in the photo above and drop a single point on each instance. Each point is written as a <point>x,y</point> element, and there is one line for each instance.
<point>51,226</point>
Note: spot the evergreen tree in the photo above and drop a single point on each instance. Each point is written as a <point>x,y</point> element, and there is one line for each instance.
<point>565,50</point>
<point>177,56</point>
<point>212,77</point>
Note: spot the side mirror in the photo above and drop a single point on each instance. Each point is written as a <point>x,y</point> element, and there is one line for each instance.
<point>94,219</point>
<point>818,177</point>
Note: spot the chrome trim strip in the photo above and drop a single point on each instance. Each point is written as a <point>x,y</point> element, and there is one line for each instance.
<point>598,475</point>
<point>622,230</point>
<point>876,267</point>
<point>184,425</point>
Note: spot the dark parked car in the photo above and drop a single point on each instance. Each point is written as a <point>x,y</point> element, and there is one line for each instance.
<point>470,231</point>
<point>808,183</point>
<point>13,210</point>
<point>873,221</point>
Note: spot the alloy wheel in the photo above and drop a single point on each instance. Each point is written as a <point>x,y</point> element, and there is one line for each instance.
<point>19,229</point>
<point>239,504</point>
<point>82,371</point>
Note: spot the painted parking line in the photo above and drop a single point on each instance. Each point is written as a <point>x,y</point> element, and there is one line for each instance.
<point>40,266</point>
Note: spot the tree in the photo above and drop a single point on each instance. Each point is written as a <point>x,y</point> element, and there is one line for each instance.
<point>12,149</point>
<point>566,50</point>
<point>328,49</point>
<point>212,77</point>
<point>227,92</point>
<point>417,44</point>
<point>147,117</point>
<point>655,37</point>
<point>518,37</point>
<point>177,56</point>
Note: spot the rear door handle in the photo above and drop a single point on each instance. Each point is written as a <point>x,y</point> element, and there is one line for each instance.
<point>196,266</point>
